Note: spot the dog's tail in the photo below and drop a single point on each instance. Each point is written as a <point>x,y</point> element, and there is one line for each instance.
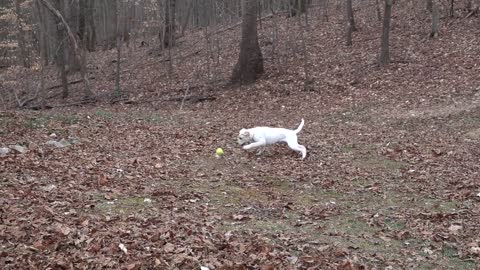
<point>300,127</point>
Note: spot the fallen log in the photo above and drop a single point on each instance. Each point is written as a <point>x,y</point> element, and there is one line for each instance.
<point>70,83</point>
<point>194,99</point>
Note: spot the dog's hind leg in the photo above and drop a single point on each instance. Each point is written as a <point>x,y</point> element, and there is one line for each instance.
<point>303,150</point>
<point>293,144</point>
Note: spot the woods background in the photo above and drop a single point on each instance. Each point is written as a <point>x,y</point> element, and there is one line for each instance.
<point>37,34</point>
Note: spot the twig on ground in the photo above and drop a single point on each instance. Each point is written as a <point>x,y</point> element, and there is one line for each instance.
<point>184,96</point>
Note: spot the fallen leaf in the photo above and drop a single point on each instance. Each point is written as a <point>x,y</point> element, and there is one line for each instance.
<point>268,267</point>
<point>169,248</point>
<point>475,250</point>
<point>428,251</point>
<point>132,266</point>
<point>240,217</point>
<point>454,229</point>
<point>95,248</point>
<point>123,248</point>
<point>63,229</point>
<point>38,244</point>
<point>102,180</point>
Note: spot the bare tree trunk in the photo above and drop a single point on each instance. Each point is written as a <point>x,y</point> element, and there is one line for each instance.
<point>133,19</point>
<point>105,25</point>
<point>435,19</point>
<point>61,55</point>
<point>274,33</point>
<point>452,8</point>
<point>350,17</point>
<point>86,24</point>
<point>42,90</point>
<point>250,61</point>
<point>468,5</point>
<point>306,12</point>
<point>126,26</point>
<point>303,28</point>
<point>77,50</point>
<point>109,21</point>
<point>187,17</point>
<point>112,39</point>
<point>385,52</point>
<point>43,48</point>
<point>43,33</point>
<point>298,7</point>
<point>349,34</point>
<point>379,12</point>
<point>22,55</point>
<point>473,7</point>
<point>259,15</point>
<point>429,6</point>
<point>325,10</point>
<point>209,54</point>
<point>82,19</point>
<point>92,32</point>
<point>117,93</point>
<point>169,37</point>
<point>350,22</point>
<point>69,13</point>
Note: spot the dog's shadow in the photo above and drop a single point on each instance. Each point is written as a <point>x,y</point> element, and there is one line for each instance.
<point>279,151</point>
<point>274,152</point>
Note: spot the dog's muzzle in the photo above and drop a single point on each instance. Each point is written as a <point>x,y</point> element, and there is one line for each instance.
<point>242,141</point>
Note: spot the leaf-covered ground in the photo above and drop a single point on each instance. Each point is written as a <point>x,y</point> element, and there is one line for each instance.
<point>391,180</point>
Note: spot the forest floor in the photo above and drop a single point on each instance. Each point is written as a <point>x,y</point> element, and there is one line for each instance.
<point>391,180</point>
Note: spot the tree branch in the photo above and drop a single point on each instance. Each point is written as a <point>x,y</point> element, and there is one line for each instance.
<point>57,13</point>
<point>73,40</point>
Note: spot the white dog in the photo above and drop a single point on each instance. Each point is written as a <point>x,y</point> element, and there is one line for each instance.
<point>262,136</point>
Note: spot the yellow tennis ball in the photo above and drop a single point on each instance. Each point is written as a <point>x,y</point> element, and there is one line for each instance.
<point>219,151</point>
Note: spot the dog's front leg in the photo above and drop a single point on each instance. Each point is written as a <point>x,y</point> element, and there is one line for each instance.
<point>254,145</point>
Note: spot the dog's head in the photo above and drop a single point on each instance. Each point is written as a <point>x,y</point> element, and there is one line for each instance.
<point>244,137</point>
